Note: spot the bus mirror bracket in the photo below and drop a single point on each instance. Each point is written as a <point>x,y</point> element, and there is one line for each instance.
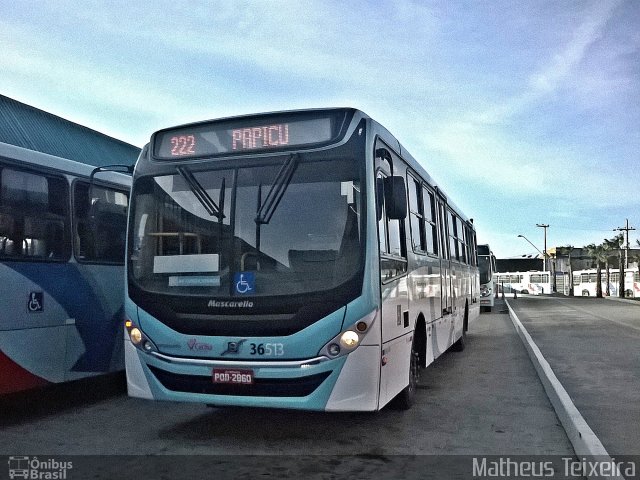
<point>395,197</point>
<point>128,169</point>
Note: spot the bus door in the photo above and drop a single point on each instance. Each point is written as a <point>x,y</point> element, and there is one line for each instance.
<point>396,344</point>
<point>446,290</point>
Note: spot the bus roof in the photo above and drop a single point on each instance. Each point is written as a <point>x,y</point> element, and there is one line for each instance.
<point>25,157</point>
<point>349,113</point>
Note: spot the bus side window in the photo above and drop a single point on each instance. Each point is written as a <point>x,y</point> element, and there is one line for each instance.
<point>33,221</point>
<point>7,233</point>
<point>382,217</point>
<point>100,223</point>
<point>393,250</point>
<point>417,217</point>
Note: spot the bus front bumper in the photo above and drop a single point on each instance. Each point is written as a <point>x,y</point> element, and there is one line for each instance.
<point>315,384</point>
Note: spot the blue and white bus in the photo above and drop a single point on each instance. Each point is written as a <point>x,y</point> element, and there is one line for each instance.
<point>487,268</point>
<point>61,267</point>
<point>298,260</point>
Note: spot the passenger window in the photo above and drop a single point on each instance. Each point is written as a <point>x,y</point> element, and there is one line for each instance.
<point>416,208</point>
<point>33,216</point>
<point>431,226</point>
<point>100,223</point>
<point>392,237</point>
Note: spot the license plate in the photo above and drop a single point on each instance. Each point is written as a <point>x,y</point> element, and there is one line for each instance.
<point>232,376</point>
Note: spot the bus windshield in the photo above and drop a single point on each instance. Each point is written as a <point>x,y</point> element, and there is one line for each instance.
<point>486,271</point>
<point>286,225</point>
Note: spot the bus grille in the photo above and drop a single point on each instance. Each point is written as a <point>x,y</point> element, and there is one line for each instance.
<point>262,387</point>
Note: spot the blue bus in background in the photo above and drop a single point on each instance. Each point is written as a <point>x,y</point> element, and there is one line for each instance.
<point>62,244</point>
<point>297,260</point>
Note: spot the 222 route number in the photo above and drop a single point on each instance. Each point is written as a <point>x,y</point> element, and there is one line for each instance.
<point>266,349</point>
<point>183,145</point>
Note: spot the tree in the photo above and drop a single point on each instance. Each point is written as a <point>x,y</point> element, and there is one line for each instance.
<point>609,247</point>
<point>567,251</point>
<point>599,255</point>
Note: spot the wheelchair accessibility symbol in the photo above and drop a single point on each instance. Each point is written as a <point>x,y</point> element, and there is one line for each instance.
<point>245,283</point>
<point>35,303</point>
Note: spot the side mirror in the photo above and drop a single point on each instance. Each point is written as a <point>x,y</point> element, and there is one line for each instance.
<point>127,169</point>
<point>395,197</point>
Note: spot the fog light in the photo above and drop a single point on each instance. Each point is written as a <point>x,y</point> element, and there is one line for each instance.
<point>334,349</point>
<point>349,339</point>
<point>147,345</point>
<point>136,336</point>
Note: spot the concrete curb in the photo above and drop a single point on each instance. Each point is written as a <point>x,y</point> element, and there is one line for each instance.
<point>584,440</point>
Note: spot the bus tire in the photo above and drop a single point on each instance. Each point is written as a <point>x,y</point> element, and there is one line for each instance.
<point>406,398</point>
<point>459,345</point>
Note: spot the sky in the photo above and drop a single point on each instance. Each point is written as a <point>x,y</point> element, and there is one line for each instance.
<point>524,111</point>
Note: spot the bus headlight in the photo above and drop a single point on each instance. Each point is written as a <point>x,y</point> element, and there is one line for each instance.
<point>349,339</point>
<point>135,335</point>
<point>139,339</point>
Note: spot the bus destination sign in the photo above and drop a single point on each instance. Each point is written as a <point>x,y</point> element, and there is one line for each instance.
<point>237,136</point>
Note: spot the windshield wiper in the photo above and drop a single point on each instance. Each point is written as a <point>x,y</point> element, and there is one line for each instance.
<point>201,194</point>
<point>276,192</point>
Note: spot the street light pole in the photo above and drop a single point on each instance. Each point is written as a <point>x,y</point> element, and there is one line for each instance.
<point>626,240</point>
<point>544,255</point>
<point>522,236</point>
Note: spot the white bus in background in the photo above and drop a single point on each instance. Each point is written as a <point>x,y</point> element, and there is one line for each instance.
<point>487,268</point>
<point>532,283</point>
<point>584,283</point>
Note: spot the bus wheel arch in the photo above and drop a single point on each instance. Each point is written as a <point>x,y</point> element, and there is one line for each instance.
<point>420,340</point>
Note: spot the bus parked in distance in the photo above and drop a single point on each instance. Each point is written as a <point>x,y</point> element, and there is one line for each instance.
<point>532,283</point>
<point>487,268</point>
<point>61,268</point>
<point>584,282</point>
<point>296,260</point>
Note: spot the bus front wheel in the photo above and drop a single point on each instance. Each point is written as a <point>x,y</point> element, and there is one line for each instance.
<point>406,397</point>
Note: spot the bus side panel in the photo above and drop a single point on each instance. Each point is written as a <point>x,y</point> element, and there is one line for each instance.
<point>396,327</point>
<point>395,373</point>
<point>54,308</point>
<point>30,358</point>
<point>30,338</point>
<point>357,386</point>
<point>102,319</point>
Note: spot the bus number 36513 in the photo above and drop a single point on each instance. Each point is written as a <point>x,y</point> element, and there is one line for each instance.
<point>267,349</point>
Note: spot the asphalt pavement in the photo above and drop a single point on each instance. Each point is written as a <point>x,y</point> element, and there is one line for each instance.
<point>593,347</point>
<point>484,401</point>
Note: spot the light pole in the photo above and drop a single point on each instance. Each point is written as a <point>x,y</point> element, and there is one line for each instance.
<point>544,255</point>
<point>522,236</point>
<point>626,239</point>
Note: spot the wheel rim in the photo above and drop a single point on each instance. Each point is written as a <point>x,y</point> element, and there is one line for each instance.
<point>413,371</point>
